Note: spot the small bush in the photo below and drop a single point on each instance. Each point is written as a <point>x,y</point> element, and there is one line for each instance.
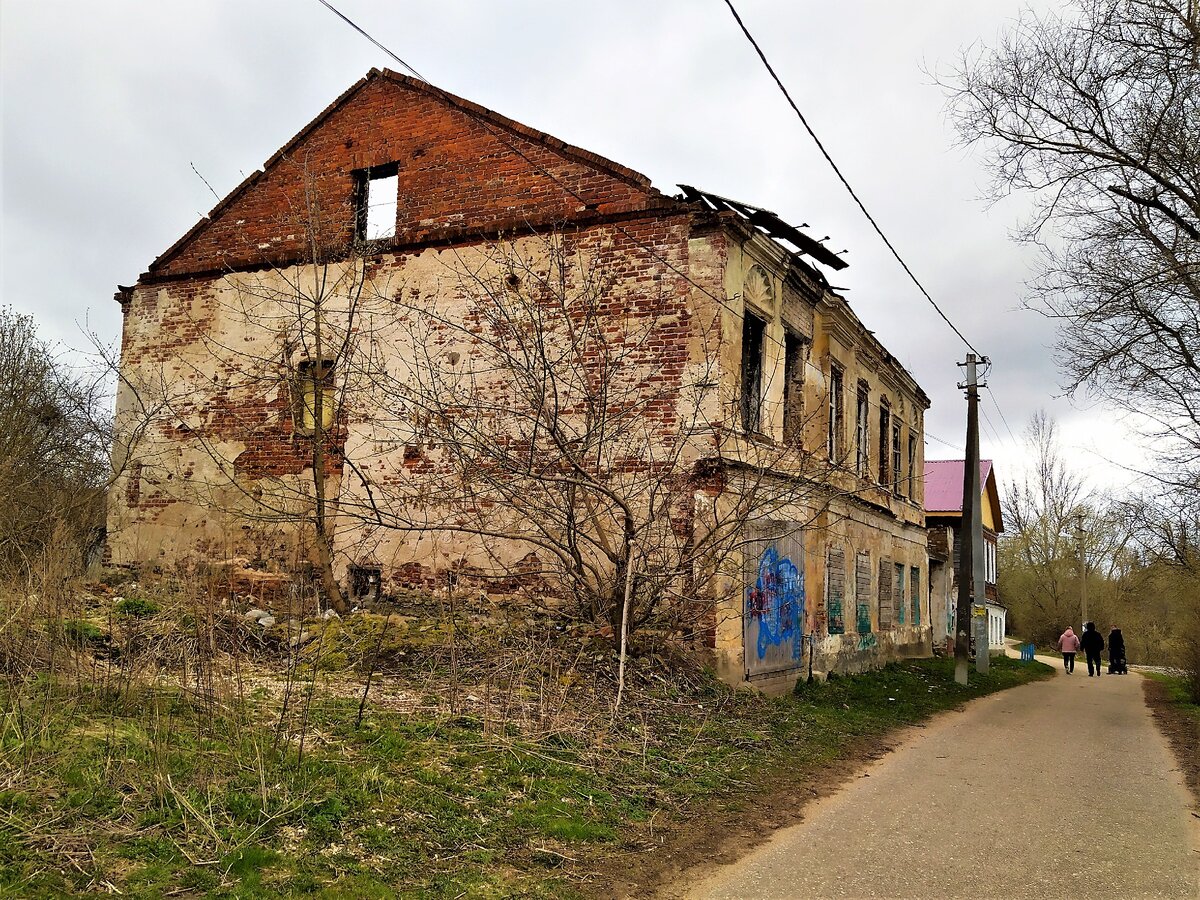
<point>137,607</point>
<point>80,633</point>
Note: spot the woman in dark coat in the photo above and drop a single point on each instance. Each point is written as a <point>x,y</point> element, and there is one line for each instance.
<point>1092,644</point>
<point>1116,653</point>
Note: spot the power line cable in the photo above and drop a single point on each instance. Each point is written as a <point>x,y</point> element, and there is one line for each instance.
<point>954,447</point>
<point>874,224</point>
<point>499,135</point>
<point>996,403</point>
<point>842,177</point>
<point>364,33</point>
<point>991,427</point>
<point>473,114</point>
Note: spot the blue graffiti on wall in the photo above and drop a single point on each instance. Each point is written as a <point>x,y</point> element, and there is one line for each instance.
<point>776,602</point>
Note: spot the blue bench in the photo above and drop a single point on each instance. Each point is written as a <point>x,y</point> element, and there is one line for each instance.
<point>1027,653</point>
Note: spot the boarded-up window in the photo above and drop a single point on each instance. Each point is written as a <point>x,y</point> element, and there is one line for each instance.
<point>752,372</point>
<point>898,594</point>
<point>793,389</point>
<point>835,589</point>
<point>316,395</point>
<point>862,591</point>
<point>914,594</point>
<point>886,613</point>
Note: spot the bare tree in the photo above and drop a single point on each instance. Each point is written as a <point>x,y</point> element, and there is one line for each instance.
<point>1094,113</point>
<point>1161,611</point>
<point>537,414</point>
<point>53,454</point>
<point>568,439</point>
<point>258,397</point>
<point>1058,533</point>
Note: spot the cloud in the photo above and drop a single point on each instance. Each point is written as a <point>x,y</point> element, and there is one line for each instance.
<point>107,106</point>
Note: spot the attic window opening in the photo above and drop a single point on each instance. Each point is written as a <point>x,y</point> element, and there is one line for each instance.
<point>377,202</point>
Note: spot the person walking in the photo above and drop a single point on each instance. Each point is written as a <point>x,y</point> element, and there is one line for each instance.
<point>1116,653</point>
<point>1092,643</point>
<point>1068,643</point>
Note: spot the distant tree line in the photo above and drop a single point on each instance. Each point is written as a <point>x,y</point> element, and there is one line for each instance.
<point>54,460</point>
<point>1091,111</point>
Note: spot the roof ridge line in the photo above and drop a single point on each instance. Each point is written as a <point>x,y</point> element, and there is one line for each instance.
<point>470,106</point>
<point>615,169</point>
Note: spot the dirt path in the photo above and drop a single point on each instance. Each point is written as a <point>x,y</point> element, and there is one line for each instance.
<point>1056,788</point>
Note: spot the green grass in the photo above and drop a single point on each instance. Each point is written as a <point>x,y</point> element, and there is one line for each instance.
<point>137,607</point>
<point>154,795</point>
<point>1177,692</point>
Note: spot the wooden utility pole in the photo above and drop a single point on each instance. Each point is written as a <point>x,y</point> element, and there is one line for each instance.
<point>1083,595</point>
<point>970,538</point>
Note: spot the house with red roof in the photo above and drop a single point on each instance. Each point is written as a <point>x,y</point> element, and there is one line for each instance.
<point>943,519</point>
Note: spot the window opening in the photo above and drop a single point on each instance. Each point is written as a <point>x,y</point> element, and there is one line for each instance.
<point>793,389</point>
<point>885,431</point>
<point>862,427</point>
<point>133,487</point>
<point>862,591</point>
<point>835,590</point>
<point>912,466</point>
<point>897,463</point>
<point>898,594</point>
<point>753,329</point>
<point>378,201</point>
<point>836,411</point>
<point>365,582</point>
<point>315,382</point>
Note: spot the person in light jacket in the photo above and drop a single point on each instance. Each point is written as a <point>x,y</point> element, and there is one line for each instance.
<point>1068,643</point>
<point>1093,644</point>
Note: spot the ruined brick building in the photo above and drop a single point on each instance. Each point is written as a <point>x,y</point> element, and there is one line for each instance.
<point>426,342</point>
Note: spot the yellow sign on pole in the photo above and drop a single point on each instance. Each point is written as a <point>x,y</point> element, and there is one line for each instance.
<point>979,611</point>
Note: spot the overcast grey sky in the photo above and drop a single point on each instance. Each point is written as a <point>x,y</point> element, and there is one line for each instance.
<point>107,106</point>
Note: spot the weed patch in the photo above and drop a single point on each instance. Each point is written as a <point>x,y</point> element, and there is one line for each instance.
<point>255,780</point>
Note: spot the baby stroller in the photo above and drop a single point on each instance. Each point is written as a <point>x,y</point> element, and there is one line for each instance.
<point>1117,665</point>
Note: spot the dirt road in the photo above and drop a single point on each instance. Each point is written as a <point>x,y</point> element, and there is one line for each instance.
<point>1063,787</point>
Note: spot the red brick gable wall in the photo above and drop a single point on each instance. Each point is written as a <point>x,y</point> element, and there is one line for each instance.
<point>460,172</point>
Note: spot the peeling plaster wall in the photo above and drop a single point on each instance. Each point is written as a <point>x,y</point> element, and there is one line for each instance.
<point>204,359</point>
<point>857,514</point>
<point>213,464</point>
<point>643,292</point>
